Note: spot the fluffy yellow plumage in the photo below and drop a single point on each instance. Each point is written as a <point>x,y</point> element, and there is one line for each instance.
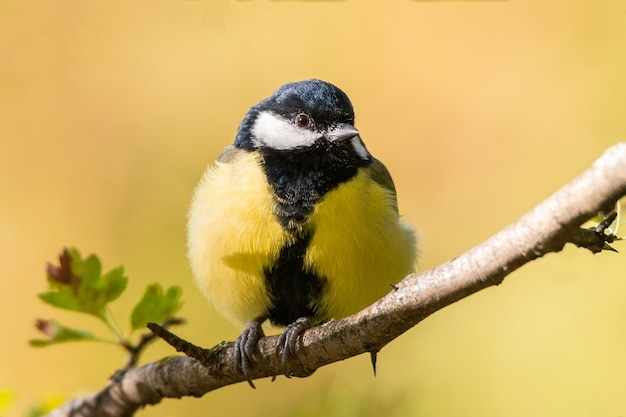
<point>359,244</point>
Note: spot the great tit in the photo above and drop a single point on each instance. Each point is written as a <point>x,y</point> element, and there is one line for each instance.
<point>296,223</point>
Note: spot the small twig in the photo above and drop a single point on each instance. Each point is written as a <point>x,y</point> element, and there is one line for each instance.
<point>204,356</point>
<point>595,238</point>
<point>604,224</point>
<point>136,350</point>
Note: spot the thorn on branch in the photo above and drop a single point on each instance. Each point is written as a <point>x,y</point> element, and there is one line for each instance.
<point>374,357</point>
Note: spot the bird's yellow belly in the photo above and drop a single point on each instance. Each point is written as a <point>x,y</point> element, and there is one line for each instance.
<point>358,245</point>
<point>233,236</point>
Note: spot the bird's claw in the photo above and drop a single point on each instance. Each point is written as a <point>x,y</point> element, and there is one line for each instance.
<point>245,347</point>
<point>247,342</point>
<point>289,338</point>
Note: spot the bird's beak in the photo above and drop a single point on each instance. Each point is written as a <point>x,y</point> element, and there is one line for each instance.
<point>342,131</point>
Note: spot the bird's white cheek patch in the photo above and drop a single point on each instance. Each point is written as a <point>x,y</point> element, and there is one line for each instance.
<point>359,148</point>
<point>277,133</point>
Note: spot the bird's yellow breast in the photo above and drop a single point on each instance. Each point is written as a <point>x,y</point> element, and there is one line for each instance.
<point>358,244</point>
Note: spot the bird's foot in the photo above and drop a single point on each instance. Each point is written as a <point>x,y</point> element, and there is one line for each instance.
<point>289,338</point>
<point>246,345</point>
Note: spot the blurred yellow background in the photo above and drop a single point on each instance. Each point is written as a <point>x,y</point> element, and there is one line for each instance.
<point>110,111</point>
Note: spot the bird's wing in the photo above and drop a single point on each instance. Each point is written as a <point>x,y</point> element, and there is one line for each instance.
<point>380,175</point>
<point>228,154</point>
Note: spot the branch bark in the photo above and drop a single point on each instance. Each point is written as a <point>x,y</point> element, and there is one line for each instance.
<point>546,228</point>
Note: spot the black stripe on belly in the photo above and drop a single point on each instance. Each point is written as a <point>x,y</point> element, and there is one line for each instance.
<point>294,292</point>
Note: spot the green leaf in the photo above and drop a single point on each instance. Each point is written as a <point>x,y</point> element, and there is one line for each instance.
<point>57,333</point>
<point>113,284</point>
<point>155,306</point>
<point>77,284</point>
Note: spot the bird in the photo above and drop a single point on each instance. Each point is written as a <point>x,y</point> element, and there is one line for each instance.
<point>296,223</point>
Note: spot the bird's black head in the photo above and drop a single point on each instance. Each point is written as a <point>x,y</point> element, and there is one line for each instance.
<point>322,101</point>
<point>308,145</point>
<point>301,115</point>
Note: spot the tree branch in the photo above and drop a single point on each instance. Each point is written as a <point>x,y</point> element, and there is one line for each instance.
<point>546,228</point>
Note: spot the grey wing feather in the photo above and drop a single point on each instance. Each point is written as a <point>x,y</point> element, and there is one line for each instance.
<point>228,154</point>
<point>380,174</point>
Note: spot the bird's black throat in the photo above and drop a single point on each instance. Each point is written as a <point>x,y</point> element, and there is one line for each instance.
<point>299,178</point>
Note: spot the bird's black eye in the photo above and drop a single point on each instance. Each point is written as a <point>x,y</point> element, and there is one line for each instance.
<point>303,120</point>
